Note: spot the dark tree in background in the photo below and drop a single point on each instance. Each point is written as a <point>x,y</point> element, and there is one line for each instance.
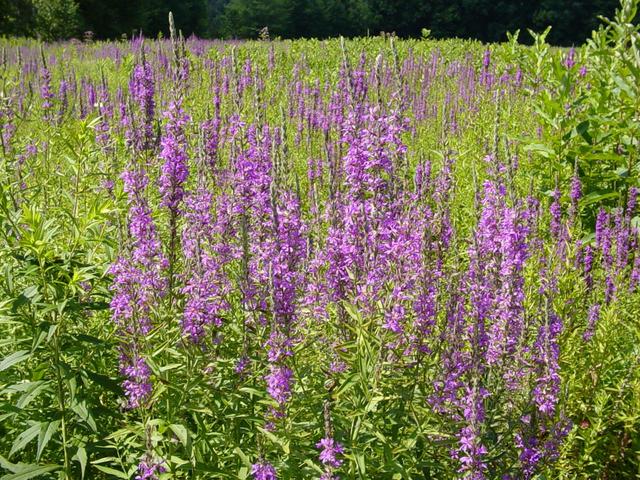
<point>487,20</point>
<point>330,18</point>
<point>55,19</point>
<point>214,11</point>
<point>16,17</point>
<point>566,18</point>
<point>190,16</point>
<point>245,18</point>
<point>110,19</point>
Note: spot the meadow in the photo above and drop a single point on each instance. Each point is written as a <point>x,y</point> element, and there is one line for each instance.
<point>359,259</point>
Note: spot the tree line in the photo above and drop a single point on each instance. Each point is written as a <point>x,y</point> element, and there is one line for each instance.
<point>487,20</point>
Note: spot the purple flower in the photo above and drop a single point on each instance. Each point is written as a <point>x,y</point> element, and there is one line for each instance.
<point>142,89</point>
<point>531,453</point>
<point>206,284</point>
<point>486,77</point>
<point>508,315</point>
<point>587,266</point>
<point>366,234</point>
<point>46,93</point>
<point>556,216</point>
<point>138,284</point>
<point>570,59</point>
<point>594,315</point>
<point>576,194</point>
<point>279,381</point>
<point>105,108</point>
<point>634,280</point>
<point>603,232</point>
<point>330,450</point>
<point>211,132</point>
<point>148,469</point>
<point>546,353</point>
<point>175,169</point>
<point>329,476</point>
<point>242,365</point>
<point>632,201</point>
<point>471,450</point>
<point>263,471</point>
<point>64,100</point>
<point>138,277</point>
<point>138,385</point>
<point>486,59</point>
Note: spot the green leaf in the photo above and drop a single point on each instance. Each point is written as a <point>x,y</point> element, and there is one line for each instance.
<point>46,432</point>
<point>31,393</point>
<point>111,471</point>
<point>309,463</point>
<point>622,172</point>
<point>171,366</point>
<point>352,311</point>
<point>104,381</point>
<point>14,358</point>
<point>583,131</point>
<point>81,456</point>
<point>623,85</point>
<point>89,339</point>
<point>360,461</point>
<point>179,462</point>
<point>30,292</point>
<point>245,460</point>
<point>284,444</point>
<point>346,386</point>
<point>24,472</point>
<point>543,150</point>
<point>182,433</point>
<point>372,405</point>
<point>24,438</point>
<point>80,409</point>
<point>596,197</point>
<point>252,391</point>
<point>7,465</point>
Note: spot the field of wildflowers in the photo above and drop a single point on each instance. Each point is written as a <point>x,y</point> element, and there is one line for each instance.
<point>371,258</point>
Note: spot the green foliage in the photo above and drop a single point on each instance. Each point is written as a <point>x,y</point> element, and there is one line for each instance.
<point>588,112</point>
<point>56,19</point>
<point>56,385</point>
<point>16,17</point>
<point>604,399</point>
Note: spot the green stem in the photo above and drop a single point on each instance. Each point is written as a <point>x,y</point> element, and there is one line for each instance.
<point>61,397</point>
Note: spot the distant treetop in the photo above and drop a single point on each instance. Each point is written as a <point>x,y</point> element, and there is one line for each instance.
<point>486,20</point>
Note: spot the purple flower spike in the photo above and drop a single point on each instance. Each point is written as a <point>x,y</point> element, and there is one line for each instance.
<point>175,170</point>
<point>142,88</point>
<point>138,385</point>
<point>330,450</point>
<point>263,471</point>
<point>279,382</point>
<point>570,60</point>
<point>594,315</point>
<point>149,469</point>
<point>576,194</point>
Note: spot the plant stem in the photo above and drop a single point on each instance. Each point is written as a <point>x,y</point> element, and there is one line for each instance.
<point>61,396</point>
